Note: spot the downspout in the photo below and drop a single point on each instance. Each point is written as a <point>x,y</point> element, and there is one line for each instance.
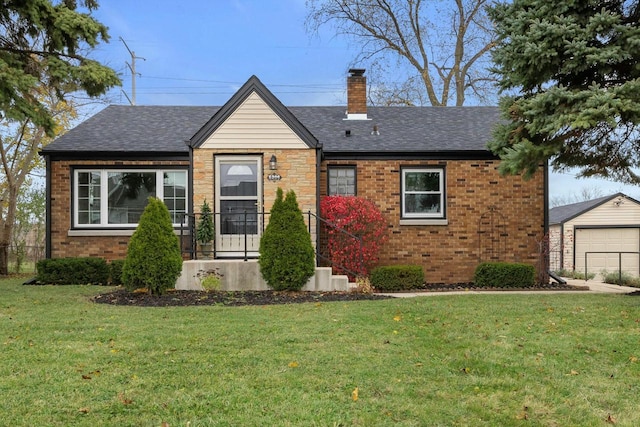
<point>546,228</point>
<point>562,246</point>
<point>47,225</point>
<point>318,174</point>
<point>190,208</point>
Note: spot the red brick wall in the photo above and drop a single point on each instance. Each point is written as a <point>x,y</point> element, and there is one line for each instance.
<point>63,245</point>
<point>450,253</point>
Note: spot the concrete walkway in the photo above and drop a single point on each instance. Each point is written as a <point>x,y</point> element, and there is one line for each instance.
<point>594,287</point>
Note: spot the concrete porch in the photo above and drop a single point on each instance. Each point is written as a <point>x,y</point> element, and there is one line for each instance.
<point>239,275</point>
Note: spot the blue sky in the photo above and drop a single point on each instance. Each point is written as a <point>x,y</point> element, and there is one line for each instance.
<point>202,51</point>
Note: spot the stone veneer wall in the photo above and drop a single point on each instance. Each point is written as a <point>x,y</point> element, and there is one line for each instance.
<point>297,169</point>
<point>62,245</point>
<point>450,253</point>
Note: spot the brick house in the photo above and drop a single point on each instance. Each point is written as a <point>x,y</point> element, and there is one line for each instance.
<point>426,168</point>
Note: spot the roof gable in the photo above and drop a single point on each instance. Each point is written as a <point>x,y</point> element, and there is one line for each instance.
<point>252,97</point>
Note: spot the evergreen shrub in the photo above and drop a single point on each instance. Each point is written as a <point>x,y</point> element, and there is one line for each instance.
<point>504,275</point>
<point>153,257</point>
<point>397,277</point>
<point>73,271</point>
<point>115,270</point>
<point>287,258</point>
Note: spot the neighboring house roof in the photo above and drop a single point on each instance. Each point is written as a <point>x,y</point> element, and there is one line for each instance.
<point>410,131</point>
<point>562,214</point>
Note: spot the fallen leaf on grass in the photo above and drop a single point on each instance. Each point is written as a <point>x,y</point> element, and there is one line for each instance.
<point>610,419</point>
<point>293,364</point>
<point>124,400</point>
<point>83,410</point>
<point>523,415</point>
<point>633,359</point>
<point>397,318</point>
<point>354,394</point>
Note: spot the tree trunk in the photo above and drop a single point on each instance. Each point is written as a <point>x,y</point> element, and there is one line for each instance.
<point>4,258</point>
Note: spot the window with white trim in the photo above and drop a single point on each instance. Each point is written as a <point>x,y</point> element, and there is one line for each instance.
<point>117,198</point>
<point>423,193</point>
<point>341,180</point>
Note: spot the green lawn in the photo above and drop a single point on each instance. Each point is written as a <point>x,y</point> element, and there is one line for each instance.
<point>469,360</point>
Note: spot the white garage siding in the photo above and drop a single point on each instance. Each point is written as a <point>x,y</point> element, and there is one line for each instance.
<point>607,240</point>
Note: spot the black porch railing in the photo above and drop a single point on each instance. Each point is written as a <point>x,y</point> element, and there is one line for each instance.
<point>238,236</point>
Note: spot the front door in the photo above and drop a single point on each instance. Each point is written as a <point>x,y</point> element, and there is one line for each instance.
<point>238,205</point>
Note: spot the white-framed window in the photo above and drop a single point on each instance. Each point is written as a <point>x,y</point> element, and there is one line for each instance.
<point>423,193</point>
<point>117,198</point>
<point>341,180</point>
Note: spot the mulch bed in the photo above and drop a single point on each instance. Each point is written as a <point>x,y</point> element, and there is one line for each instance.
<point>228,298</point>
<point>177,298</point>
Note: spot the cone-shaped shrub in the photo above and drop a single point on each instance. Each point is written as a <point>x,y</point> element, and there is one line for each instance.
<point>153,257</point>
<point>287,258</point>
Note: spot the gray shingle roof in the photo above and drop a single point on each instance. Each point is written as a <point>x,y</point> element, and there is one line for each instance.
<point>401,129</point>
<point>165,129</point>
<point>125,128</point>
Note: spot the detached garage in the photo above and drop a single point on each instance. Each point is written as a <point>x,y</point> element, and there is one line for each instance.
<point>604,232</point>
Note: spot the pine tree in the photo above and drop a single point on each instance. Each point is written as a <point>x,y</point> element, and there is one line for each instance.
<point>570,73</point>
<point>153,257</point>
<point>287,258</point>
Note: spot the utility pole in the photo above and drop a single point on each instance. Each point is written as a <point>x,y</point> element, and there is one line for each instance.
<point>132,67</point>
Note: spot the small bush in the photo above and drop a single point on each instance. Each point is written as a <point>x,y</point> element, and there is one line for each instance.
<point>504,275</point>
<point>287,258</point>
<point>397,277</point>
<point>73,271</point>
<point>115,269</point>
<point>614,278</point>
<point>210,280</point>
<point>153,257</point>
<point>578,275</point>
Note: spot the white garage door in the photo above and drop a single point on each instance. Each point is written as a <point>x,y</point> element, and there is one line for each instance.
<point>608,240</point>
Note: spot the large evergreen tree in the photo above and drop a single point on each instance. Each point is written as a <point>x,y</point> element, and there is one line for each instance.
<point>43,62</point>
<point>571,77</point>
<point>44,42</point>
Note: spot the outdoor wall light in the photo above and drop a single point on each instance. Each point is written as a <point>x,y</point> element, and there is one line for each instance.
<point>273,163</point>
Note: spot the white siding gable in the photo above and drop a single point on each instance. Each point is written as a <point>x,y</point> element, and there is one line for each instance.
<point>253,125</point>
<point>609,214</point>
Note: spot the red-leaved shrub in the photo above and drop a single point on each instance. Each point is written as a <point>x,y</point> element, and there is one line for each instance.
<point>358,217</point>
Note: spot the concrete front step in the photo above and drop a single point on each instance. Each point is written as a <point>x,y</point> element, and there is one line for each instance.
<point>239,275</point>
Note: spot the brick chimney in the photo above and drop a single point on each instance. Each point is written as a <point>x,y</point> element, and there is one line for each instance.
<point>356,95</point>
